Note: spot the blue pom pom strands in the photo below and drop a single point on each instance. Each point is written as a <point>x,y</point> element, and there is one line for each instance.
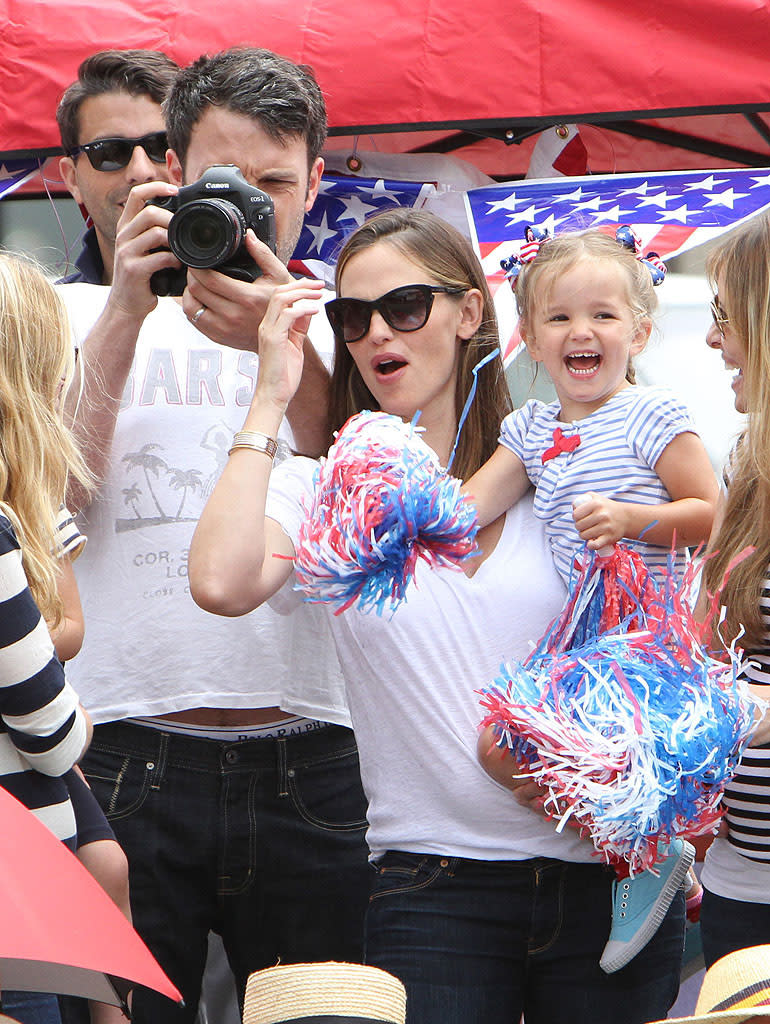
<point>634,733</point>
<point>380,503</point>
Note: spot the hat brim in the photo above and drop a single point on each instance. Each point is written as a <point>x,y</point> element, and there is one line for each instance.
<point>720,1016</point>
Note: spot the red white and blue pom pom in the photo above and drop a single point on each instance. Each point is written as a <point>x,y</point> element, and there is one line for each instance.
<point>634,733</point>
<point>380,503</point>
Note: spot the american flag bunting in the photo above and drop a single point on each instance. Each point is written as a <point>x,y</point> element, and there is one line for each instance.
<point>671,212</point>
<point>341,206</point>
<point>14,173</point>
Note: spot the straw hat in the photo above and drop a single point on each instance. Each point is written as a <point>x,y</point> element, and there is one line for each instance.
<point>735,988</point>
<point>349,993</point>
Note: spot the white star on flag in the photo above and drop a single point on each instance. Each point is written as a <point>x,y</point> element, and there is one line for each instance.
<point>524,216</point>
<point>356,209</point>
<point>707,184</point>
<point>657,200</point>
<point>726,198</point>
<point>680,214</point>
<point>509,203</point>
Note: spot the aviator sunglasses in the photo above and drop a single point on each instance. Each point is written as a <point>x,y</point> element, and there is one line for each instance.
<point>404,309</point>
<point>720,318</point>
<point>114,154</point>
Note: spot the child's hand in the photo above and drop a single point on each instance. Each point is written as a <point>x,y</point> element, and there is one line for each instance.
<point>497,761</point>
<point>693,896</point>
<point>600,521</point>
<point>529,794</point>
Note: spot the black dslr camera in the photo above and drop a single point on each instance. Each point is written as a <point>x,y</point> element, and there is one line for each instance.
<point>209,226</point>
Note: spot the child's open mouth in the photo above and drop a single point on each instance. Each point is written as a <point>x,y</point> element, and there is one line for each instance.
<point>583,363</point>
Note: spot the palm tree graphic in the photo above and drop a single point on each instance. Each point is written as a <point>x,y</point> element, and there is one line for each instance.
<point>185,480</point>
<point>148,463</point>
<point>130,497</point>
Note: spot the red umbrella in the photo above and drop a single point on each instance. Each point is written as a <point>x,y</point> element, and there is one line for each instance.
<point>59,931</point>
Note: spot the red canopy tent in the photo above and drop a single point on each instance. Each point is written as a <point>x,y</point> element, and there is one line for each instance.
<point>666,86</point>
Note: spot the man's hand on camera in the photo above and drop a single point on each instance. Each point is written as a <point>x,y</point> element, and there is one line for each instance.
<point>141,230</point>
<point>230,311</point>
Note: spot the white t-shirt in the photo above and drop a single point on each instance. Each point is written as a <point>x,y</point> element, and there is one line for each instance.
<point>619,445</point>
<point>412,680</point>
<point>149,650</point>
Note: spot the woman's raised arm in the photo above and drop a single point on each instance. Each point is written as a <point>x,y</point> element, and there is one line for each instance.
<point>232,565</point>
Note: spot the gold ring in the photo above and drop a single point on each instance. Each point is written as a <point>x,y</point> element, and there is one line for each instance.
<point>197,315</point>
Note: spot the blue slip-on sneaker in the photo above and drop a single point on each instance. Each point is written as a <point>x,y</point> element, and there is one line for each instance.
<point>639,905</point>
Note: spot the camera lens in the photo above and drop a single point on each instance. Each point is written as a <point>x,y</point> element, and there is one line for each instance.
<point>206,232</point>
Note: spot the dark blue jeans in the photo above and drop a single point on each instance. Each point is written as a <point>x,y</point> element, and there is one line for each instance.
<point>727,925</point>
<point>31,1007</point>
<point>480,942</point>
<point>261,841</point>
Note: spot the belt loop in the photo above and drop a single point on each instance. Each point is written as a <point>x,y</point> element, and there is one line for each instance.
<point>281,758</point>
<point>160,764</point>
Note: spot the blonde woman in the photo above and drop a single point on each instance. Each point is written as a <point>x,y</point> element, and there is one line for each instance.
<point>736,874</point>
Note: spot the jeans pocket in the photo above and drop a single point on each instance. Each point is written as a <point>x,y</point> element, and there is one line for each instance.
<point>328,793</point>
<point>120,781</point>
<point>398,872</point>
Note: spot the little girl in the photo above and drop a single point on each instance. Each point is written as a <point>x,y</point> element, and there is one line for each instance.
<point>609,462</point>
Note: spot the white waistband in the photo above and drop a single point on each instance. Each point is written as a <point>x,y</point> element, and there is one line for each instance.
<point>292,726</point>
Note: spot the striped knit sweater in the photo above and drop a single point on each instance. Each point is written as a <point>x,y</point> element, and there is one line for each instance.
<point>42,728</point>
<point>747,798</point>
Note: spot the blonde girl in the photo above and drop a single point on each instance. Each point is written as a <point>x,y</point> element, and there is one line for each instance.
<point>609,461</point>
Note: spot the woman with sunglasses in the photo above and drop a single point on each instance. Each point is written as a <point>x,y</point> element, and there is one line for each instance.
<point>736,874</point>
<point>481,909</point>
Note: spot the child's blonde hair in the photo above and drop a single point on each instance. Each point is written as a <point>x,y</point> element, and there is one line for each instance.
<point>742,263</point>
<point>560,254</point>
<point>37,452</point>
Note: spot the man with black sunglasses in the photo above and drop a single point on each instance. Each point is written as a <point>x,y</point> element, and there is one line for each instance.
<point>222,751</point>
<point>114,136</point>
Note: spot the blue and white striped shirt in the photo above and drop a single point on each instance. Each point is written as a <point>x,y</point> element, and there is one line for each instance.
<point>619,446</point>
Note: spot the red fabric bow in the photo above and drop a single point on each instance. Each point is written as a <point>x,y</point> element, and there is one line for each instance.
<point>560,444</point>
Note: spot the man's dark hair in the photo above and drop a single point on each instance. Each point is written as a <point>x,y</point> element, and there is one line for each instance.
<point>137,72</point>
<point>282,96</point>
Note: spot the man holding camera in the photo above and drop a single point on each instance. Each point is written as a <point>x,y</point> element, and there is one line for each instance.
<point>221,750</point>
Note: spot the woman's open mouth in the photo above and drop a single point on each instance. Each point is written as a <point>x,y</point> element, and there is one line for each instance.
<point>388,366</point>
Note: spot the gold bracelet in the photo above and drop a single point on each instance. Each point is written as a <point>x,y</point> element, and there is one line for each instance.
<point>256,441</point>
